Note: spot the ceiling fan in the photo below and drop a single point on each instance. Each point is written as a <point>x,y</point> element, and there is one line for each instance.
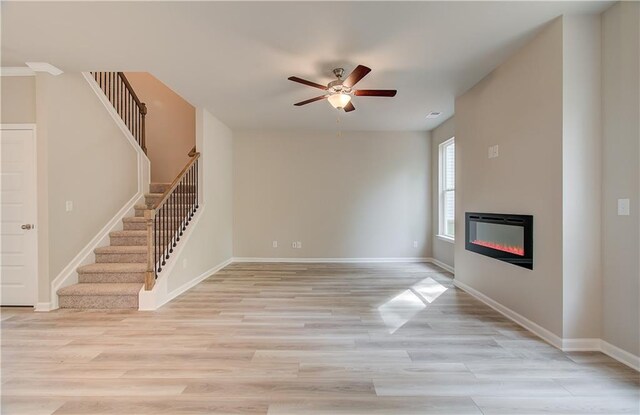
<point>339,92</point>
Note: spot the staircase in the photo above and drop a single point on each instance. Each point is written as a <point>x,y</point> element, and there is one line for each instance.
<point>140,251</point>
<point>118,274</point>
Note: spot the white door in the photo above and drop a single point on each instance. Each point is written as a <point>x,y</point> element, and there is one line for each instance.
<point>18,236</point>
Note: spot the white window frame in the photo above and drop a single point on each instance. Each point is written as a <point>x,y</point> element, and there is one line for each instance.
<point>441,191</point>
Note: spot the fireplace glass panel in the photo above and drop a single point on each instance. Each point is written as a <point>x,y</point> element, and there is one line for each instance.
<point>501,237</point>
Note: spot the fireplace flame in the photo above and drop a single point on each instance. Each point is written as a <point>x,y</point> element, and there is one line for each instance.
<point>512,249</point>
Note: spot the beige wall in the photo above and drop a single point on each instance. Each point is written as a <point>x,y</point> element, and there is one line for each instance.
<point>210,244</point>
<point>581,178</point>
<point>170,126</point>
<point>621,175</point>
<point>359,195</point>
<point>519,107</point>
<point>86,160</point>
<point>18,99</point>
<point>443,250</point>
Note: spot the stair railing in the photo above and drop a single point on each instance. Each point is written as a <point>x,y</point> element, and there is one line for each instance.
<point>169,217</point>
<point>132,111</point>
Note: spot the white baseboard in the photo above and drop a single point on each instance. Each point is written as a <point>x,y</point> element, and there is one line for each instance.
<point>442,265</point>
<point>536,329</point>
<point>580,345</point>
<point>331,260</point>
<point>42,307</point>
<point>69,275</point>
<point>566,345</point>
<point>620,355</point>
<point>188,285</point>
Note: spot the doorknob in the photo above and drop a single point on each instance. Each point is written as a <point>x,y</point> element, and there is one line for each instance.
<point>27,226</point>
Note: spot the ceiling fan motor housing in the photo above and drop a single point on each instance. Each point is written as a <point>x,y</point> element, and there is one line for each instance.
<point>336,87</point>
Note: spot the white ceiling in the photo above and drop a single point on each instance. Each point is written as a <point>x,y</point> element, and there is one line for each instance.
<point>233,58</point>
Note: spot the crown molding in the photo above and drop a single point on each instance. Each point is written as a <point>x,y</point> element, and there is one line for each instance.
<point>16,71</point>
<point>44,67</point>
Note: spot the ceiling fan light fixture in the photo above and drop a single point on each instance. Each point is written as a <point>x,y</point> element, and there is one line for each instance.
<point>339,100</point>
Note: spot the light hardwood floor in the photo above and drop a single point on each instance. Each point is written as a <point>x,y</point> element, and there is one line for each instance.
<point>302,339</point>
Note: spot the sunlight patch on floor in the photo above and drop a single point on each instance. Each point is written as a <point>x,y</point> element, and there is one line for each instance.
<point>402,308</point>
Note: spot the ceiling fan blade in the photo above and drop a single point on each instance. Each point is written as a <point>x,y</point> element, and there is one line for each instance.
<point>357,74</point>
<point>305,82</point>
<point>349,107</point>
<point>376,92</point>
<point>309,101</point>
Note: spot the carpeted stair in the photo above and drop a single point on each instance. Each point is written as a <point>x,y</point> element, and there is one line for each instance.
<point>117,277</point>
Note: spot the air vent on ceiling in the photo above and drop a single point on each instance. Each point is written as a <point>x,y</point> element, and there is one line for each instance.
<point>434,114</point>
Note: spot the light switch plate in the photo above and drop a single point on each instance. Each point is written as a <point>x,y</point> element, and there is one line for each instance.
<point>624,207</point>
<point>274,244</point>
<point>69,205</point>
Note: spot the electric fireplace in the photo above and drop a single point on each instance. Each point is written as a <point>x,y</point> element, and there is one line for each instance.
<point>508,238</point>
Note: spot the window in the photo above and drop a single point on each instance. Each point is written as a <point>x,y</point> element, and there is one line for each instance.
<point>447,189</point>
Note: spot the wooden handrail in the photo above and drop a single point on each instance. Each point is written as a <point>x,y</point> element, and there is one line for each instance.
<point>175,182</point>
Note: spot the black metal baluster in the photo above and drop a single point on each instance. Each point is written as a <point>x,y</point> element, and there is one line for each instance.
<point>131,104</point>
<point>182,204</point>
<point>188,204</point>
<point>158,243</point>
<point>178,207</point>
<point>193,184</point>
<point>155,244</point>
<point>166,234</point>
<point>196,189</point>
<point>121,104</point>
<point>175,216</point>
<point>171,219</point>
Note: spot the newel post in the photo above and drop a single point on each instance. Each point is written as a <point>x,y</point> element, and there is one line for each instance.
<point>150,275</point>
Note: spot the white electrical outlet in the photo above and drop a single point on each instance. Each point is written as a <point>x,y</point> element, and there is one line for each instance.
<point>415,244</point>
<point>298,244</point>
<point>293,244</point>
<point>624,207</point>
<point>274,244</point>
<point>493,151</point>
<point>69,205</point>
